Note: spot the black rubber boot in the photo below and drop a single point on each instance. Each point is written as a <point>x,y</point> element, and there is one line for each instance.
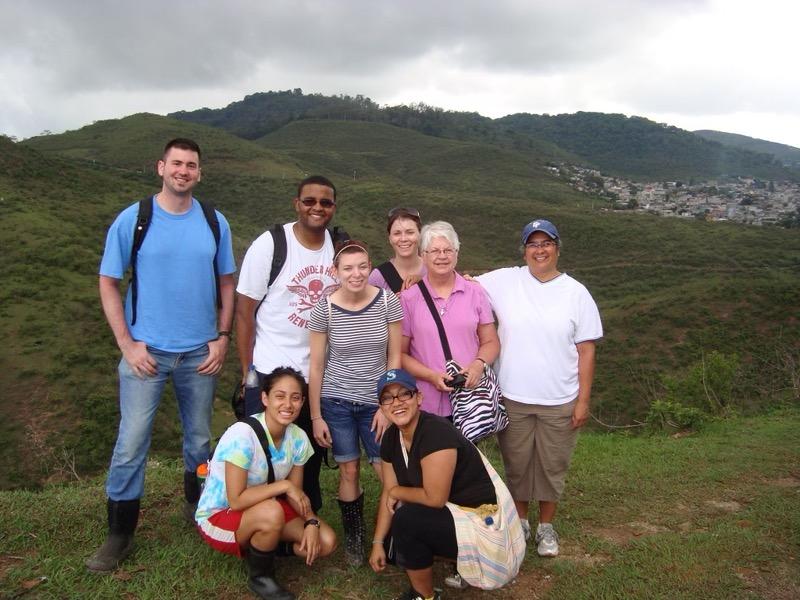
<point>261,567</point>
<point>191,491</point>
<point>354,530</point>
<point>122,519</point>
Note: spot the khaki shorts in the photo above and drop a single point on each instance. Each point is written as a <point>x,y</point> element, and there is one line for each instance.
<point>537,447</point>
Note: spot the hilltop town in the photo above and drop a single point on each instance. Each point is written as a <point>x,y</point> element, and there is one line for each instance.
<point>742,199</point>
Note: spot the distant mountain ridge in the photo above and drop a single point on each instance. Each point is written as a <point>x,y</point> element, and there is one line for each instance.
<point>788,155</point>
<point>632,147</point>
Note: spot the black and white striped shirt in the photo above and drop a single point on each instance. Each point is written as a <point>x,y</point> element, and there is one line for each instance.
<point>357,345</point>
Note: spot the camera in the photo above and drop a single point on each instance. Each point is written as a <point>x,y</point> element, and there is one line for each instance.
<point>457,381</point>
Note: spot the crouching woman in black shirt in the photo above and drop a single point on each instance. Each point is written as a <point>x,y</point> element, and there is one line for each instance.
<point>431,473</point>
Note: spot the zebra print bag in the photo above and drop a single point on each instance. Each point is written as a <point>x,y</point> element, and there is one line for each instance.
<point>477,411</point>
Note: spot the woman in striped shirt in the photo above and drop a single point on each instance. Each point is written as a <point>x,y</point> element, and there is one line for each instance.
<point>355,337</point>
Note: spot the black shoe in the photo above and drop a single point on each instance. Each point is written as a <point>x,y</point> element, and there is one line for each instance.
<point>188,511</point>
<point>261,566</point>
<point>123,516</point>
<point>114,550</point>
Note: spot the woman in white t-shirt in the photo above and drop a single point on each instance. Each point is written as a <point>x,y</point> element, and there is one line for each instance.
<point>548,325</point>
<point>355,336</point>
<point>245,512</point>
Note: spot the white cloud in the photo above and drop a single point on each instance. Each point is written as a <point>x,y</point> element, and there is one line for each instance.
<point>65,64</point>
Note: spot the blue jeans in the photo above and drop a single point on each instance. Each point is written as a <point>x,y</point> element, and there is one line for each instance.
<point>348,421</point>
<point>139,398</point>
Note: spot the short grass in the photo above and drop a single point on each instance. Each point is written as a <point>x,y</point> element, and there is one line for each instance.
<point>707,515</point>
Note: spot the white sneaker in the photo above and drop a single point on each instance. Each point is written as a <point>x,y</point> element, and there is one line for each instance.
<point>526,529</point>
<point>546,540</point>
<point>455,581</point>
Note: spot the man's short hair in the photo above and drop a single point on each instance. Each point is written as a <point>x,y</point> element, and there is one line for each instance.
<point>183,144</point>
<point>316,180</point>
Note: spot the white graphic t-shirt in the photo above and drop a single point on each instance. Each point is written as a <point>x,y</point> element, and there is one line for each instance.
<point>282,319</point>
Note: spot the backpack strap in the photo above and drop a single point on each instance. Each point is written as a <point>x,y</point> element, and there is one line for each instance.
<point>213,223</point>
<point>139,231</point>
<point>143,220</point>
<point>391,275</point>
<point>338,234</point>
<point>279,252</point>
<point>262,438</point>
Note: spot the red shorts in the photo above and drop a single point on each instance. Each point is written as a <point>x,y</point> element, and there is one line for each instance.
<point>219,530</point>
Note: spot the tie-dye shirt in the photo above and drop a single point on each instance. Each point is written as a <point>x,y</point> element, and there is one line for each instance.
<point>240,446</point>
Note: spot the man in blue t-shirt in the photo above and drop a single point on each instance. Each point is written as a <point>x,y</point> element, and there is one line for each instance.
<point>173,327</point>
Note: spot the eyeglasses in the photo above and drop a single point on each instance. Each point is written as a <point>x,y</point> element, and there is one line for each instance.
<point>547,244</point>
<point>441,251</point>
<point>403,396</point>
<point>399,210</point>
<point>324,203</point>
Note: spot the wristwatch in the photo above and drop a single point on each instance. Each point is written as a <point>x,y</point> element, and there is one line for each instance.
<point>314,522</point>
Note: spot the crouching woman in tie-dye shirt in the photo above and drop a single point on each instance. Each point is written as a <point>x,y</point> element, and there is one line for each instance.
<point>245,512</point>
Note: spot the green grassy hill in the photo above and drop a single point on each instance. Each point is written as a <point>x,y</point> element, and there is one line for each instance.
<point>788,155</point>
<point>641,149</point>
<point>136,142</point>
<point>671,291</point>
<point>632,147</point>
<point>711,515</point>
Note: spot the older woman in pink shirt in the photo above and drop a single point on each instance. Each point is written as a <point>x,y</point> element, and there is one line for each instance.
<point>465,313</point>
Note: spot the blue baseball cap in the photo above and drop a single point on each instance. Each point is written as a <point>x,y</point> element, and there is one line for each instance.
<point>539,225</point>
<point>400,376</point>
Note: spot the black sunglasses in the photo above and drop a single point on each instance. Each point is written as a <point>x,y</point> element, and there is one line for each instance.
<point>400,210</point>
<point>324,203</point>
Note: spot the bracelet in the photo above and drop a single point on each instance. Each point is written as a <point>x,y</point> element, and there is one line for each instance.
<point>480,359</point>
<point>226,334</point>
<point>378,542</point>
<point>315,418</point>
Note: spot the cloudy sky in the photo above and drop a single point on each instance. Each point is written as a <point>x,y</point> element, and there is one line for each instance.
<point>698,64</point>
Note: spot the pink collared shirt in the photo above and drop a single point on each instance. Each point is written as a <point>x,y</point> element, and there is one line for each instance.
<point>465,309</point>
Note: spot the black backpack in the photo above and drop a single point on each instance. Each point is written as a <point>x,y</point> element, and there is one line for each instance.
<point>140,231</point>
<point>280,250</point>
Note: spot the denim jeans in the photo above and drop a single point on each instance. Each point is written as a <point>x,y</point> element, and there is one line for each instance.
<point>348,422</point>
<point>139,398</point>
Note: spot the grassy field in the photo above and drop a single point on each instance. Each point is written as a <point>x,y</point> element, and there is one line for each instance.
<point>707,515</point>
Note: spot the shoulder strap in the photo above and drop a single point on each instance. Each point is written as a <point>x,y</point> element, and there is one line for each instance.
<point>436,319</point>
<point>262,438</point>
<point>213,223</point>
<point>338,234</point>
<point>279,253</point>
<point>391,275</point>
<point>139,231</point>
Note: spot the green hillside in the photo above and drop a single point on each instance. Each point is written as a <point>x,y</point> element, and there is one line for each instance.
<point>136,142</point>
<point>632,147</point>
<point>788,155</point>
<point>711,515</point>
<point>672,292</point>
<point>642,149</point>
